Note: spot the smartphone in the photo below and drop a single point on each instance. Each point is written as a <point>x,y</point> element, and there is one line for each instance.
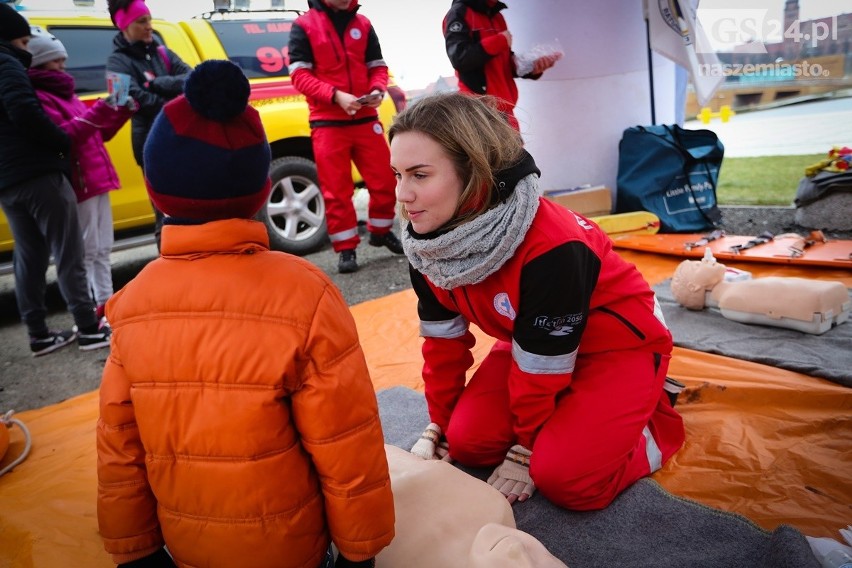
<point>371,98</point>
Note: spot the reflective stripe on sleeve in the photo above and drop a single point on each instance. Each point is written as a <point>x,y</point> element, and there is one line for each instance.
<point>447,329</point>
<point>543,364</point>
<point>652,451</point>
<point>658,312</point>
<point>376,63</point>
<point>300,65</point>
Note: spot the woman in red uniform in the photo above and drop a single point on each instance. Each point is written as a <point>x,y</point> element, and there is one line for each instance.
<point>571,398</point>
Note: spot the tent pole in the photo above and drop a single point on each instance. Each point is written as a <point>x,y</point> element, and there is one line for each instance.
<point>650,70</point>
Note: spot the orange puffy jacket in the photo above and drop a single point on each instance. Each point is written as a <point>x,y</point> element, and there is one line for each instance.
<point>238,424</point>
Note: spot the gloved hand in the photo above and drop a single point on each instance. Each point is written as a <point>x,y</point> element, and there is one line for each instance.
<point>512,477</point>
<point>432,445</point>
<point>159,559</point>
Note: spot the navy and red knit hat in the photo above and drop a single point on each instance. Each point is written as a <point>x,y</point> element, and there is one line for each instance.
<point>206,156</point>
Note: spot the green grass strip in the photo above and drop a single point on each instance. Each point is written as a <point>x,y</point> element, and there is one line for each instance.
<point>764,180</point>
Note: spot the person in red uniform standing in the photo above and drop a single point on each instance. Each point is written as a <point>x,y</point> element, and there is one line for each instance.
<point>479,46</point>
<point>573,399</point>
<point>336,62</point>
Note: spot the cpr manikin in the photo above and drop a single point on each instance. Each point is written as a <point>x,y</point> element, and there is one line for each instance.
<point>810,306</point>
<point>469,526</point>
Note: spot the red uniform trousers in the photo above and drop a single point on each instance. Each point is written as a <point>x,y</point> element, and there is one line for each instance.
<point>613,426</point>
<point>335,148</point>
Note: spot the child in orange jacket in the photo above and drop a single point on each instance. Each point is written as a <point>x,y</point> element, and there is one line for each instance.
<point>238,423</point>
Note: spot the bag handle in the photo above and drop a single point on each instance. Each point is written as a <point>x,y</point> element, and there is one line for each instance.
<point>689,160</point>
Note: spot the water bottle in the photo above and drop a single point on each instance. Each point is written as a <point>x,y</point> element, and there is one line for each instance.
<point>837,559</point>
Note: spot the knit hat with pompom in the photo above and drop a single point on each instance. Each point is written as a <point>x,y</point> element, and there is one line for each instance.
<point>207,156</point>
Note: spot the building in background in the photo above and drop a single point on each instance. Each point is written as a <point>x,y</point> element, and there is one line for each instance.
<point>812,59</point>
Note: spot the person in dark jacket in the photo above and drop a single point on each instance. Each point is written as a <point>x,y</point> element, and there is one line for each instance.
<point>38,201</point>
<point>156,73</point>
<point>479,46</point>
<point>336,62</point>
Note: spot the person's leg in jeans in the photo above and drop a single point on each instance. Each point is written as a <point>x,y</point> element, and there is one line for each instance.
<point>30,257</point>
<point>55,211</point>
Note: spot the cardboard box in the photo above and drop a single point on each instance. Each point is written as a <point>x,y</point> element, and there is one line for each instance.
<point>588,201</point>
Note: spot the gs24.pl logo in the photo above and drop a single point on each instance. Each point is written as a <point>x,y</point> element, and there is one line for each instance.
<point>748,29</point>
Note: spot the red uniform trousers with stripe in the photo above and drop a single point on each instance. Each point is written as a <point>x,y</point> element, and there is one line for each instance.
<point>611,427</point>
<point>335,148</point>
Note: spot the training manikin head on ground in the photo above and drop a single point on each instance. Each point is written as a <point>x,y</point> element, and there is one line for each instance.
<point>810,306</point>
<point>472,521</point>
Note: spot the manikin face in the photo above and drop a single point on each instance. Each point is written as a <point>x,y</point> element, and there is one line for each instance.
<point>140,30</point>
<point>55,65</point>
<point>427,185</point>
<point>498,546</point>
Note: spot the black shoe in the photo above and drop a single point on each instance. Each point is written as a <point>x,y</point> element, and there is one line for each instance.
<point>388,240</point>
<point>347,264</point>
<point>100,338</point>
<point>50,343</point>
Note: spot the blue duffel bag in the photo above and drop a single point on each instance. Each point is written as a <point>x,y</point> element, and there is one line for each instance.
<point>671,172</point>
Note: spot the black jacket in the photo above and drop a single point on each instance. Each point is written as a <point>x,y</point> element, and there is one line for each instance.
<point>31,145</point>
<point>162,83</point>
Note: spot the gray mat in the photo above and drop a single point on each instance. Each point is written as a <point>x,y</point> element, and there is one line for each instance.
<point>828,355</point>
<point>644,527</point>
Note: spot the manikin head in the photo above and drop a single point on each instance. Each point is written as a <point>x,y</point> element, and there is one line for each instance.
<point>693,278</point>
<point>499,546</point>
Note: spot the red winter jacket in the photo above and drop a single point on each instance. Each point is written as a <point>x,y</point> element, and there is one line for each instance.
<point>564,293</point>
<point>322,61</point>
<point>92,172</point>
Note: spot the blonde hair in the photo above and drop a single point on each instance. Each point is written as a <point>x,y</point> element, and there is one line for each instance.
<point>474,134</point>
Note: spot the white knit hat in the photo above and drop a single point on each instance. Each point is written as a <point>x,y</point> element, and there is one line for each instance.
<point>45,47</point>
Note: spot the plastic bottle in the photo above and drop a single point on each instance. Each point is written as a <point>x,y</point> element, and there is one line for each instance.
<point>837,559</point>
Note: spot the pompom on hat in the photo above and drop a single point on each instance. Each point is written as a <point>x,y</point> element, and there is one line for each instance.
<point>45,47</point>
<point>12,24</point>
<point>206,156</point>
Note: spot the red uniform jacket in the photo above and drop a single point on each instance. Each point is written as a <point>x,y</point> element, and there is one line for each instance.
<point>322,62</point>
<point>564,293</point>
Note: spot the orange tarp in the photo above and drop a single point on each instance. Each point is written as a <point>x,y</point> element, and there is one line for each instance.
<point>772,445</point>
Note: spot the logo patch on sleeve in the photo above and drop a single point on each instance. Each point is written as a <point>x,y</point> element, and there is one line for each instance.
<point>455,26</point>
<point>582,222</point>
<point>504,306</point>
<point>558,325</point>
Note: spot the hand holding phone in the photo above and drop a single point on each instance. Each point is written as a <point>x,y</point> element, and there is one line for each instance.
<point>369,99</point>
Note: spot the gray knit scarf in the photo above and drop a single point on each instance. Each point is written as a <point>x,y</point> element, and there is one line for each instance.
<point>474,251</point>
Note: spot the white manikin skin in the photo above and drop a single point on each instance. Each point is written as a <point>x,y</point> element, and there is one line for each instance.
<point>447,518</point>
<point>810,306</point>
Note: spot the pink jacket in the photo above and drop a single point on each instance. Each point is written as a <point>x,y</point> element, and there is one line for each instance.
<point>92,172</point>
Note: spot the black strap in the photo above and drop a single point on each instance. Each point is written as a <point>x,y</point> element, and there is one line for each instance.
<point>761,239</point>
<point>714,216</point>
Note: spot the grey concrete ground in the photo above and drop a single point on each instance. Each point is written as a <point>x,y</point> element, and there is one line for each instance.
<point>27,382</point>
